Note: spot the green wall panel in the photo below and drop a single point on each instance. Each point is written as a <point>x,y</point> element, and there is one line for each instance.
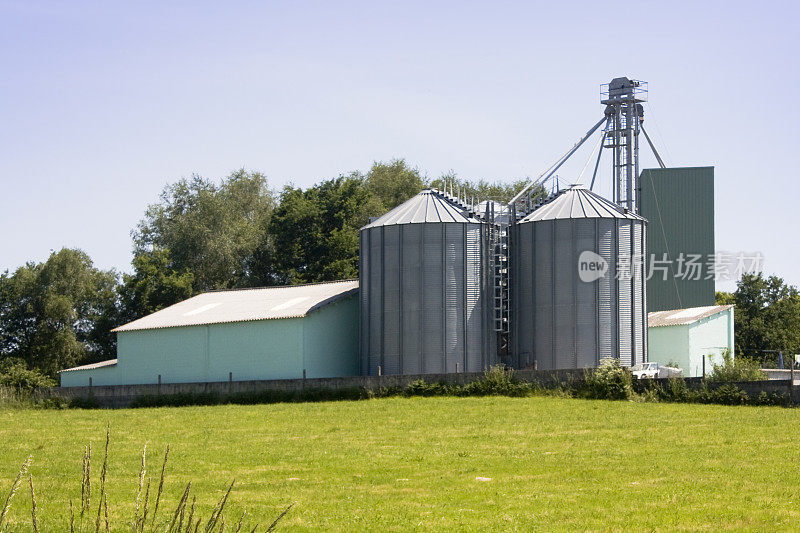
<point>679,206</point>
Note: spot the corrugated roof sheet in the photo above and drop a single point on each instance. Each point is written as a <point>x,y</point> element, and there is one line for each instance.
<point>678,317</point>
<point>578,202</point>
<point>246,305</point>
<point>101,364</point>
<point>427,206</point>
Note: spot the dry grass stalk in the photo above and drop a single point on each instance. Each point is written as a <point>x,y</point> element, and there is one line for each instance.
<point>103,472</point>
<point>191,516</point>
<point>14,487</point>
<point>241,521</point>
<point>215,515</point>
<point>86,482</point>
<point>179,510</point>
<point>143,520</point>
<point>33,505</point>
<point>105,511</point>
<point>160,486</point>
<point>275,523</point>
<point>71,518</point>
<point>142,472</point>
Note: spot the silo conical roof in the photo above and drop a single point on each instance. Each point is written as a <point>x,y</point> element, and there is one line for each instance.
<point>427,206</point>
<point>579,202</point>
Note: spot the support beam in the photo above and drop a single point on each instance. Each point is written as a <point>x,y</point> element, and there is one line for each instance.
<point>600,153</point>
<point>544,176</point>
<point>652,147</point>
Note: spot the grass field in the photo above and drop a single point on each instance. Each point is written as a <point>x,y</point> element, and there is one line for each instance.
<point>413,463</point>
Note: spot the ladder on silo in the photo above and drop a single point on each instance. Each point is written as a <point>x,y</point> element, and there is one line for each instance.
<point>498,240</point>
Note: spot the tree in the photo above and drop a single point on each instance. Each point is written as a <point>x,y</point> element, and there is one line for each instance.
<point>201,235</point>
<point>724,298</point>
<point>767,315</point>
<point>482,190</point>
<point>315,232</point>
<point>58,313</point>
<point>393,183</point>
<point>153,286</point>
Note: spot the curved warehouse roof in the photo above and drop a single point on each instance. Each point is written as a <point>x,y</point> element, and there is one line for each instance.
<point>678,317</point>
<point>427,206</point>
<point>579,202</point>
<point>246,305</point>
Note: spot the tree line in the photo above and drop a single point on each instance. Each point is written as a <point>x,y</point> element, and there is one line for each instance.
<point>766,318</point>
<point>202,235</point>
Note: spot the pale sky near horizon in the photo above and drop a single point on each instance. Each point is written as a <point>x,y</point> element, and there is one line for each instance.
<point>103,103</point>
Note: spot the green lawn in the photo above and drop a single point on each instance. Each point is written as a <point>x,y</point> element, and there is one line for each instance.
<point>405,464</point>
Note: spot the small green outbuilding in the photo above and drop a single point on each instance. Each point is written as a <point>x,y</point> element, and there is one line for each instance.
<point>693,338</point>
<point>250,334</point>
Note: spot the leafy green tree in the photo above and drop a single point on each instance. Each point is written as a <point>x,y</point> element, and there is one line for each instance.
<point>767,315</point>
<point>482,190</point>
<point>200,236</point>
<point>393,183</point>
<point>58,313</point>
<point>154,285</point>
<point>315,232</point>
<point>724,298</point>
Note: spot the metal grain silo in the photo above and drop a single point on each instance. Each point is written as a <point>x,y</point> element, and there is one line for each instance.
<point>425,305</point>
<point>577,284</point>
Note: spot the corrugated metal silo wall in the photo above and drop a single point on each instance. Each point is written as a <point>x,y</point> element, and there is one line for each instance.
<point>559,321</point>
<point>424,307</point>
<point>679,205</point>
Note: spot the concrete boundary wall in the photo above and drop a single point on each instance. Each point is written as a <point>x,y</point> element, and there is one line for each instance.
<point>118,396</point>
<point>115,396</point>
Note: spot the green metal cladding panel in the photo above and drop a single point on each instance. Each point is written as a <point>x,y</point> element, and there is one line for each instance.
<point>670,344</point>
<point>708,339</point>
<point>679,206</point>
<point>331,340</point>
<point>324,343</point>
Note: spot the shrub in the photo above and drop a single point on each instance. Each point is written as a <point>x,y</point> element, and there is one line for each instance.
<point>609,382</point>
<point>498,380</point>
<point>420,387</point>
<point>741,369</point>
<point>725,395</point>
<point>16,375</point>
<point>674,390</point>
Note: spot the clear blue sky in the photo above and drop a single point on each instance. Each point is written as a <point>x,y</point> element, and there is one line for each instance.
<point>102,104</point>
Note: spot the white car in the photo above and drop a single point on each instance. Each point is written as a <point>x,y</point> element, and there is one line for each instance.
<point>654,371</point>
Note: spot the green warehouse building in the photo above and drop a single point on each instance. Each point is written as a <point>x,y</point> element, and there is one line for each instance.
<point>251,334</point>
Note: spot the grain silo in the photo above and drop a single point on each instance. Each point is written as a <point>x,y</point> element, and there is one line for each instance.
<point>577,284</point>
<point>425,305</point>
